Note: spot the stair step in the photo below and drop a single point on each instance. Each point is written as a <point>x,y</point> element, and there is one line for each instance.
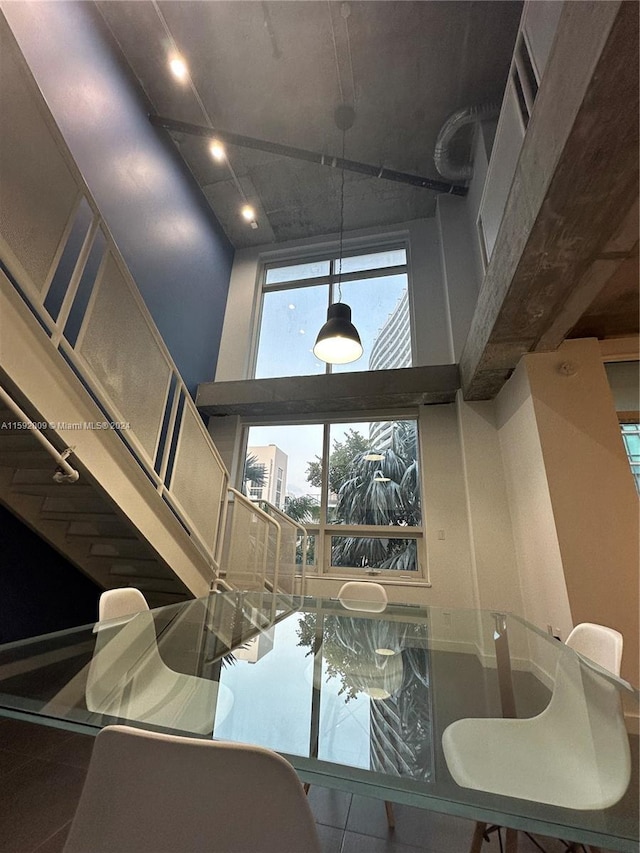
<point>114,548</point>
<point>81,493</point>
<point>26,458</point>
<point>151,571</point>
<point>59,505</point>
<point>71,498</point>
<point>106,528</point>
<point>22,440</point>
<point>36,477</point>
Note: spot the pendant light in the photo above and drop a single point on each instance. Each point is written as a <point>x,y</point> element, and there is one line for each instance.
<point>338,341</point>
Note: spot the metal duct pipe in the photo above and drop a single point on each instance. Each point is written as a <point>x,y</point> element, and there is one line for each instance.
<point>456,121</point>
<point>310,156</point>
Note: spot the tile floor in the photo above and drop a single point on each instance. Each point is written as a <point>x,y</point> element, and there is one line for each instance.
<point>42,772</point>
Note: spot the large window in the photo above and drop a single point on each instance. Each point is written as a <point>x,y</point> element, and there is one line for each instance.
<point>631,439</point>
<point>356,487</point>
<point>295,298</point>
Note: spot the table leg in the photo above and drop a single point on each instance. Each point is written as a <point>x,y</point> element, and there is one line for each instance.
<point>512,841</point>
<point>478,837</point>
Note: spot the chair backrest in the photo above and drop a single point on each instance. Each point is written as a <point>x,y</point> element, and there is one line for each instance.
<point>115,603</point>
<point>363,595</point>
<point>148,792</point>
<point>598,643</point>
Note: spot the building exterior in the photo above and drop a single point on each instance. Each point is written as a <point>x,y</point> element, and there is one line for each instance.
<point>391,350</point>
<point>274,488</point>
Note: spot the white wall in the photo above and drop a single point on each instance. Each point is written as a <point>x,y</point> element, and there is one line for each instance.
<point>432,341</point>
<point>595,504</point>
<point>488,510</point>
<point>539,564</point>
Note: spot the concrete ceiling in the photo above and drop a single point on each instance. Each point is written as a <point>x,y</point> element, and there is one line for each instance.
<point>277,70</point>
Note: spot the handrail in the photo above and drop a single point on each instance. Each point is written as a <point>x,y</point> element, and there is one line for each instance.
<point>241,500</point>
<point>67,474</point>
<point>272,509</point>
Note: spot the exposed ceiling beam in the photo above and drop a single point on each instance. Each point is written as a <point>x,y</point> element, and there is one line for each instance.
<point>304,154</point>
<point>568,222</point>
<point>331,393</point>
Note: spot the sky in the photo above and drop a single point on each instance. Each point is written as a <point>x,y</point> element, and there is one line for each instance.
<point>301,443</point>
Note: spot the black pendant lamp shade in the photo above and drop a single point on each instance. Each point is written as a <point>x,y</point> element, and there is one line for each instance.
<point>338,341</point>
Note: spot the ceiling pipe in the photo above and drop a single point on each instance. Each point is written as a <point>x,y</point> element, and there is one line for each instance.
<point>309,156</point>
<point>455,122</point>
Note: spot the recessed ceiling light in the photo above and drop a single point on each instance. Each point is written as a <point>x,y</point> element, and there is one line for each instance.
<point>248,213</point>
<point>178,67</point>
<point>291,306</point>
<point>385,652</point>
<point>216,149</point>
<point>373,457</point>
<point>302,331</point>
<point>380,478</point>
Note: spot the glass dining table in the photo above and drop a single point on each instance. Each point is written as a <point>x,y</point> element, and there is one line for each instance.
<point>471,713</point>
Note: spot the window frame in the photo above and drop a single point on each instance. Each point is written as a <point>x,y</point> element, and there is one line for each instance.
<point>323,531</point>
<point>331,254</point>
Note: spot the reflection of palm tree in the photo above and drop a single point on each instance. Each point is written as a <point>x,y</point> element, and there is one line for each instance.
<point>254,472</point>
<point>383,492</point>
<point>398,684</point>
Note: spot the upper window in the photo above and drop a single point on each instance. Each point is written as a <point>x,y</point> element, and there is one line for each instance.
<point>295,298</point>
<point>631,438</point>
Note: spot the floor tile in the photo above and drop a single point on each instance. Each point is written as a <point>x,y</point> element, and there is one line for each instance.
<point>356,843</point>
<point>55,844</point>
<point>75,751</point>
<point>329,806</point>
<point>38,799</point>
<point>417,827</point>
<point>330,838</point>
<point>30,739</point>
<point>10,761</point>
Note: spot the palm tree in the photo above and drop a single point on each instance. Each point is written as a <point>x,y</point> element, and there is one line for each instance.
<point>382,492</point>
<point>303,508</point>
<point>254,472</point>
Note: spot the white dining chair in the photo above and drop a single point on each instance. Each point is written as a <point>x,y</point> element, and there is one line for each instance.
<point>148,792</point>
<point>365,596</point>
<point>117,603</point>
<point>575,754</point>
<point>129,680</point>
<point>598,643</point>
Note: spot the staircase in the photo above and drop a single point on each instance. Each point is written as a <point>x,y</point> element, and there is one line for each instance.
<point>79,519</point>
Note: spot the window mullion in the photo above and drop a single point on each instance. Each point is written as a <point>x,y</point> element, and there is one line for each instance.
<point>324,502</point>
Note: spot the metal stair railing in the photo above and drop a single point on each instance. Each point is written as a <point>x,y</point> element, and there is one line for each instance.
<point>293,533</point>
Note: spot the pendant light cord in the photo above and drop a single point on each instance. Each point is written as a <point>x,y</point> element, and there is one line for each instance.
<point>341,218</point>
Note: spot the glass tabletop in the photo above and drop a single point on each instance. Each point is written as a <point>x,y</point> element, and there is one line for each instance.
<point>472,713</point>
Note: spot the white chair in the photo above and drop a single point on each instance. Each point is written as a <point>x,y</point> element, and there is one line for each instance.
<point>597,643</point>
<point>365,596</point>
<point>116,603</point>
<point>147,792</point>
<point>129,680</point>
<point>575,754</point>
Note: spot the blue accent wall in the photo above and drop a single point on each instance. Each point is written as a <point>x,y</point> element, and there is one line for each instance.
<point>173,244</point>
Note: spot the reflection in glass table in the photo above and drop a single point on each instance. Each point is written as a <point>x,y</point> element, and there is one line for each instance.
<point>463,712</point>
